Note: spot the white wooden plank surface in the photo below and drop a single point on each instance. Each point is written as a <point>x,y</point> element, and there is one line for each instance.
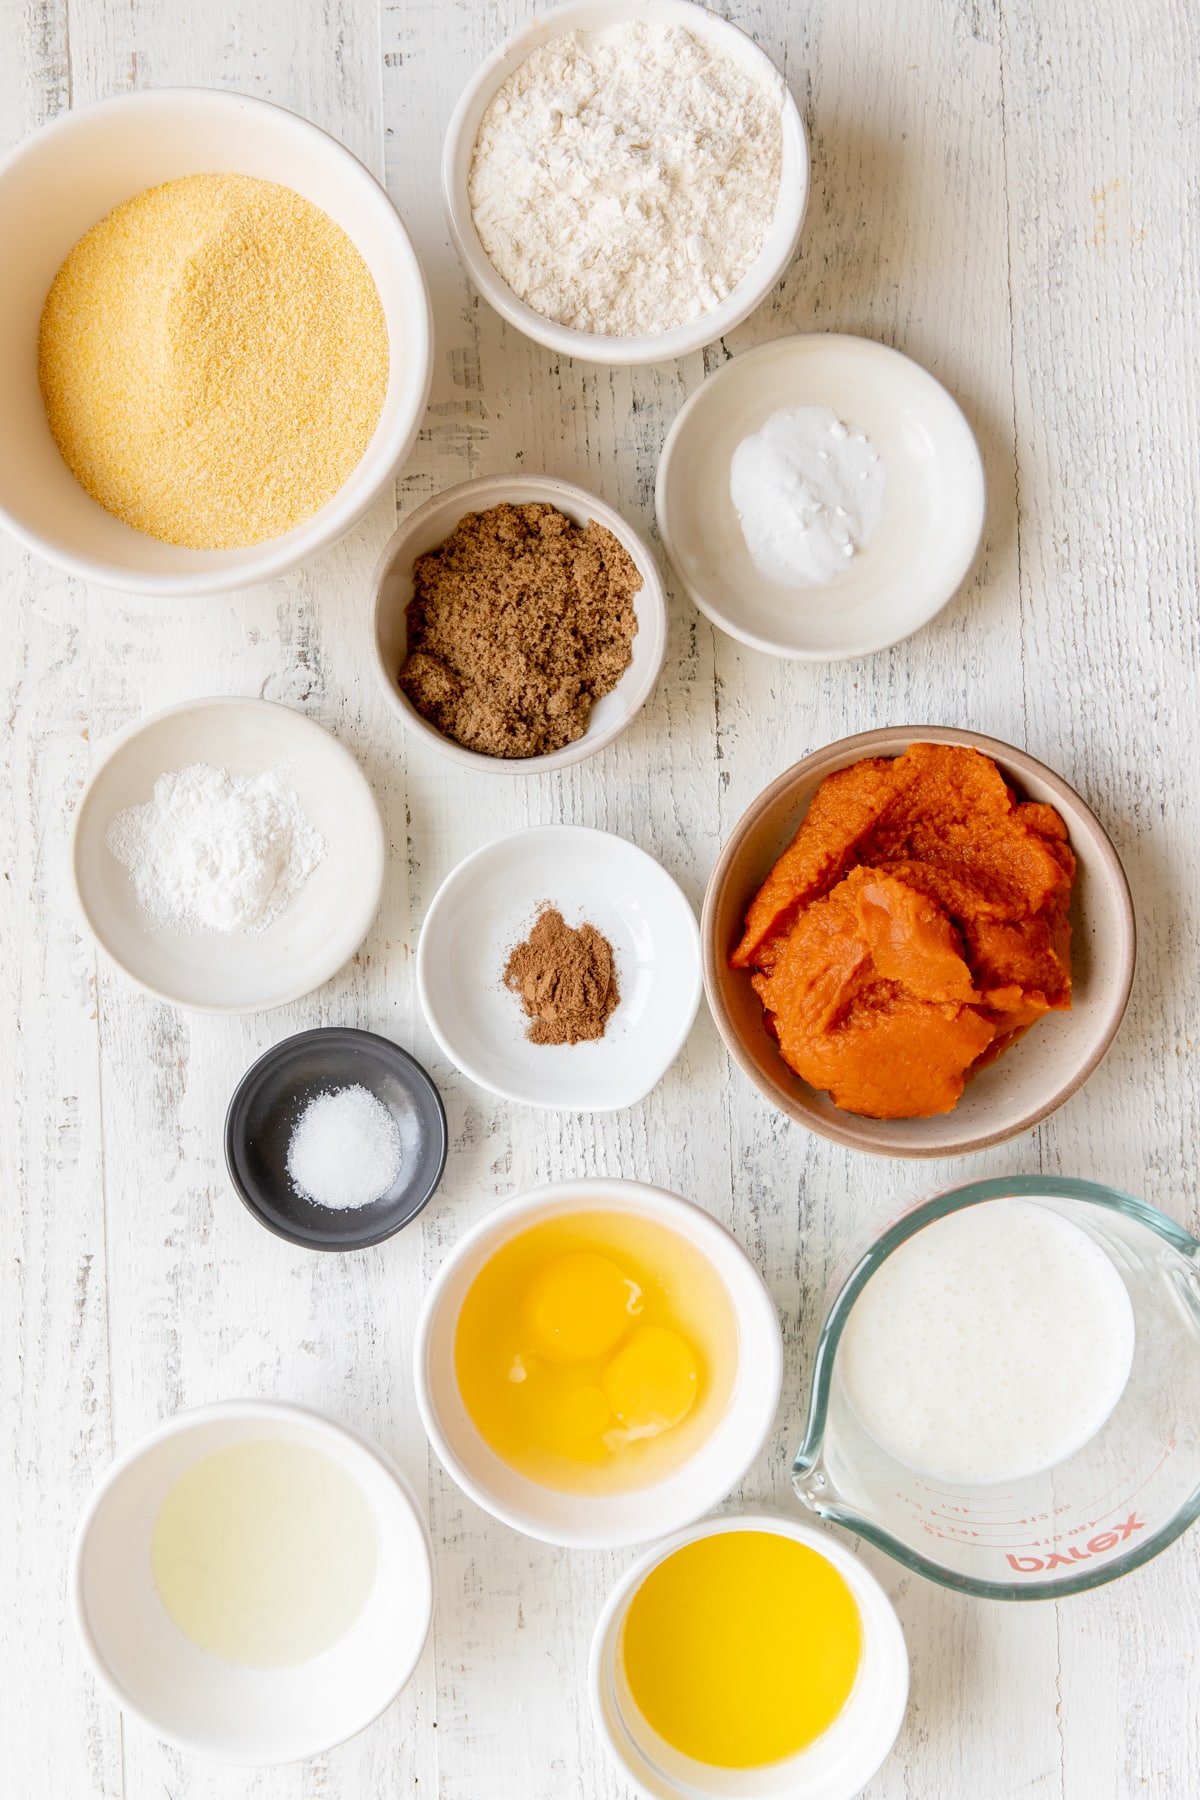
<point>1006,191</point>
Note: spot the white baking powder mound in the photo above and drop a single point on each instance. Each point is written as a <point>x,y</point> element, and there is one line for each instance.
<point>216,851</point>
<point>624,180</point>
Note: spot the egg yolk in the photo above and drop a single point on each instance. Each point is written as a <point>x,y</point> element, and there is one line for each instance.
<point>595,1352</point>
<point>579,1307</point>
<point>575,1424</point>
<point>651,1383</point>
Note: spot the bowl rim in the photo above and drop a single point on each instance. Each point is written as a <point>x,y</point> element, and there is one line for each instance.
<point>233,1141</point>
<point>891,1644</point>
<point>465,1065</point>
<point>340,1437</point>
<point>868,347</point>
<point>649,603</point>
<point>257,563</point>
<point>706,1233</point>
<point>378,852</point>
<point>891,741</point>
<point>586,346</point>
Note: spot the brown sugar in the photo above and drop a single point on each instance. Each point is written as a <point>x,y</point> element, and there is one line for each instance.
<point>565,979</point>
<point>518,623</point>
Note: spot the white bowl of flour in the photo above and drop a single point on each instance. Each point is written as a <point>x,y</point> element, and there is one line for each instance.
<point>228,855</point>
<point>626,180</point>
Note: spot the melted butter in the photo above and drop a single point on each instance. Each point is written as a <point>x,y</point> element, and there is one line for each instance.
<point>742,1648</point>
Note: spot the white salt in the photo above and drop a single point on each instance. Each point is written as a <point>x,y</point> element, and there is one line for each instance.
<point>344,1150</point>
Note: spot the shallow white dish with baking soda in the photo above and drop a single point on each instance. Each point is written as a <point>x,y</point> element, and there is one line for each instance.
<point>324,924</point>
<point>486,906</point>
<point>933,498</point>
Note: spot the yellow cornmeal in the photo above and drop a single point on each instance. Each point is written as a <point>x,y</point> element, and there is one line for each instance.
<point>213,358</point>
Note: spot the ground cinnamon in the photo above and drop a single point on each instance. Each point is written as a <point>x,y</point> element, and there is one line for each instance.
<point>565,979</point>
<point>518,623</point>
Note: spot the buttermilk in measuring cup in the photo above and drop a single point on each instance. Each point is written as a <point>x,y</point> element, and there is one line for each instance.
<point>990,1346</point>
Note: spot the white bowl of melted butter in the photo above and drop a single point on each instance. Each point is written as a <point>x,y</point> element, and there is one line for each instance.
<point>252,1582</point>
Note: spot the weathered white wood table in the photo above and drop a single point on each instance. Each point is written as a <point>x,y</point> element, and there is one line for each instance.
<point>1006,190</point>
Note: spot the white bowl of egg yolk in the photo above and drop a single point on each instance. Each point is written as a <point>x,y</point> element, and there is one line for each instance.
<point>748,1657</point>
<point>598,1363</point>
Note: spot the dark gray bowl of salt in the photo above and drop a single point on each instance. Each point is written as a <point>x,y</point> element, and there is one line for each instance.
<point>335,1138</point>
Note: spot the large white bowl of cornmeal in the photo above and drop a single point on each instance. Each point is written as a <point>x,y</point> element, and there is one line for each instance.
<point>253,1582</point>
<point>215,341</point>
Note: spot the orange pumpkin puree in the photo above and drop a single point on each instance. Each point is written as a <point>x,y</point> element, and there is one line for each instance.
<point>914,928</point>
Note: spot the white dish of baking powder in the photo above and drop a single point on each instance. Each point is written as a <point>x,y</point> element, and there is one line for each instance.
<point>808,492</point>
<point>277,834</point>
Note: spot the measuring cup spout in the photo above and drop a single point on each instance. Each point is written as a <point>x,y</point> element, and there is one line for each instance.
<point>811,1483</point>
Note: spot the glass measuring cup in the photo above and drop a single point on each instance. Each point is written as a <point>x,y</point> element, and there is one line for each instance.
<point>1122,1497</point>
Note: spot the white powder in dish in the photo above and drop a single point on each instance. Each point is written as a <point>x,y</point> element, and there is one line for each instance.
<point>345,1150</point>
<point>809,494</point>
<point>216,851</point>
<point>624,180</point>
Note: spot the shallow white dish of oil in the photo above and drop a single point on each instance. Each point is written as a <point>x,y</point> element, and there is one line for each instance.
<point>487,905</point>
<point>933,498</point>
<point>199,1702</point>
<point>212,971</point>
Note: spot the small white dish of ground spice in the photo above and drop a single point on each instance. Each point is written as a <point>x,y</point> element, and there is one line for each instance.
<point>560,967</point>
<point>520,623</point>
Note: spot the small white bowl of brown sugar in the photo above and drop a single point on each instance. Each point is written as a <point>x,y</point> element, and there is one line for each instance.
<point>519,623</point>
<point>215,341</point>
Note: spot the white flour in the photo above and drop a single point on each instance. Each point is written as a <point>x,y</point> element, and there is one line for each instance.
<point>624,180</point>
<point>808,492</point>
<point>217,851</point>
